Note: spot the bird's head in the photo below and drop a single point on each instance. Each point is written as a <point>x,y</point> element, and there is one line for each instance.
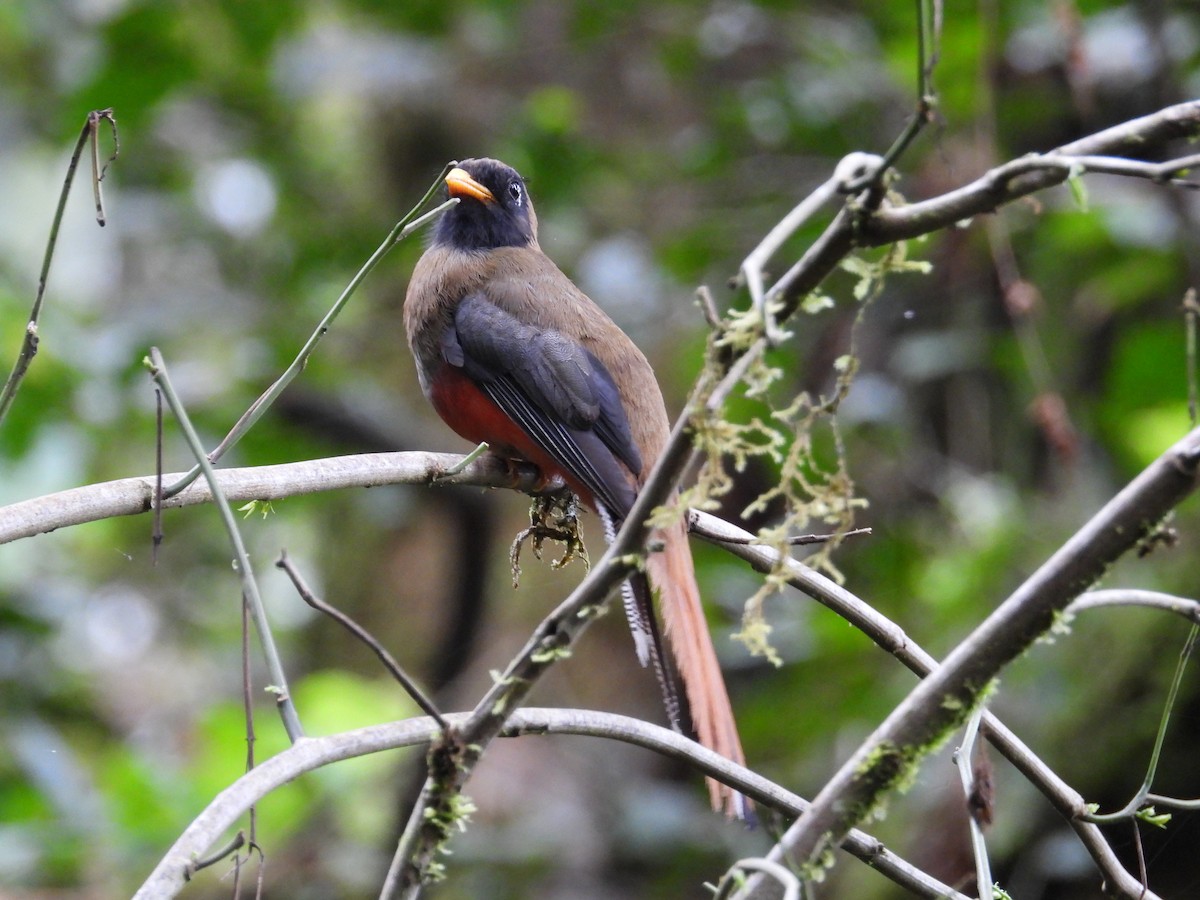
<point>494,209</point>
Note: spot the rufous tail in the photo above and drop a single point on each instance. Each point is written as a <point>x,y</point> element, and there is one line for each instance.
<point>673,576</point>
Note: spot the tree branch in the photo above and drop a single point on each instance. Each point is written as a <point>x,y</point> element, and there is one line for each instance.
<point>133,496</point>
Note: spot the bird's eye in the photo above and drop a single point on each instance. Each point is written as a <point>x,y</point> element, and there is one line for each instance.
<point>515,192</point>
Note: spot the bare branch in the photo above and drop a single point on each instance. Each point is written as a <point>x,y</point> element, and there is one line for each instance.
<point>389,662</point>
<point>787,881</point>
<point>133,496</point>
<point>1181,606</point>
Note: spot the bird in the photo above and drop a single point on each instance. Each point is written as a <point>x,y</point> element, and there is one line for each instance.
<point>509,351</point>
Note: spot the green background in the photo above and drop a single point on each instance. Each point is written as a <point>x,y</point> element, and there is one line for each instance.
<point>268,147</point>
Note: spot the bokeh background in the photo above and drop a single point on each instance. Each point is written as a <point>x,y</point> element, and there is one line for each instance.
<point>267,148</point>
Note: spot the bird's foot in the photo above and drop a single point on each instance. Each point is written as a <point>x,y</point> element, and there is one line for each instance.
<point>555,517</point>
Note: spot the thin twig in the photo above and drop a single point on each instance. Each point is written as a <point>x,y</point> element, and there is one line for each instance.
<point>708,306</point>
<point>236,843</point>
<point>1191,309</point>
<point>1174,802</point>
<point>1141,853</point>
<point>283,699</point>
<point>156,534</point>
<point>248,709</point>
<point>1073,165</point>
<point>99,171</point>
<point>1181,606</point>
<point>788,882</point>
<point>29,345</point>
<point>406,226</point>
<point>963,760</point>
<point>929,35</point>
<point>459,467</point>
<point>389,662</point>
<point>696,526</point>
<point>1139,798</point>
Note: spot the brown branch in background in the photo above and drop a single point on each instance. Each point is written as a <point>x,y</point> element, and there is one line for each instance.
<point>29,346</point>
<point>418,696</point>
<point>248,711</point>
<point>98,171</point>
<point>1191,309</point>
<point>156,533</point>
<point>1021,298</point>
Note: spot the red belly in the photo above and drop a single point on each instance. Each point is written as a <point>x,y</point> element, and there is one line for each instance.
<point>473,415</point>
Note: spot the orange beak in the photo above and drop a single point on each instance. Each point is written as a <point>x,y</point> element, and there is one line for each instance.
<point>460,184</point>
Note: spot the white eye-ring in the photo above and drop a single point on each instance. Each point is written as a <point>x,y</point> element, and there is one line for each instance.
<point>515,192</point>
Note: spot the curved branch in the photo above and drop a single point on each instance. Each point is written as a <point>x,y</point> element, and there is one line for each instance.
<point>1181,606</point>
<point>132,496</point>
<point>169,877</point>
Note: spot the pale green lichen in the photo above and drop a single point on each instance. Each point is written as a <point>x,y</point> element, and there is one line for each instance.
<point>801,438</point>
<point>550,653</point>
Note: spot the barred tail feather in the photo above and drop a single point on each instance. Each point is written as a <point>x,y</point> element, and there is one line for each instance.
<point>673,576</point>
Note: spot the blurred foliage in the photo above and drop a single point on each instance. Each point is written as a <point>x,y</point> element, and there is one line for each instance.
<point>266,149</point>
